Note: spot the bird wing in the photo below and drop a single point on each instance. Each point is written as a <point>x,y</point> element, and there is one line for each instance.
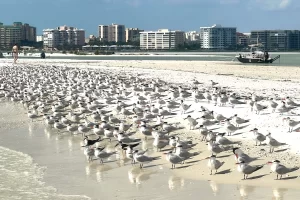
<point>250,169</point>
<point>133,145</point>
<point>175,159</point>
<point>282,169</point>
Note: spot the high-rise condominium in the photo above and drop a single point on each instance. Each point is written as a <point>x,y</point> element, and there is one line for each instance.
<point>11,34</point>
<point>63,35</point>
<point>161,39</point>
<point>217,37</point>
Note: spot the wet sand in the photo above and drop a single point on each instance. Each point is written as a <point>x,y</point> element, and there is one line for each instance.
<point>69,172</point>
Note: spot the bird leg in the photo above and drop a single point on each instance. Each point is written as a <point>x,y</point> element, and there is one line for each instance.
<point>210,172</point>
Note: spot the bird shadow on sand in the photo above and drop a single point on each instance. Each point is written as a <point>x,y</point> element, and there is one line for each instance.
<point>164,150</point>
<point>182,167</point>
<point>289,178</point>
<point>297,129</point>
<point>194,161</point>
<point>241,127</point>
<point>148,166</point>
<point>282,150</point>
<point>131,133</point>
<point>257,177</point>
<point>225,156</point>
<point>226,171</point>
<point>109,161</point>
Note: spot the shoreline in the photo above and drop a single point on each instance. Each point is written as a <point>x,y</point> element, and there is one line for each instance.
<point>196,173</point>
<point>197,169</point>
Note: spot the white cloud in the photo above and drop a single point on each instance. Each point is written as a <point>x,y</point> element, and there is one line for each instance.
<point>272,4</point>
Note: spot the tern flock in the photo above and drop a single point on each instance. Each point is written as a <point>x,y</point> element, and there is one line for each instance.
<point>126,109</point>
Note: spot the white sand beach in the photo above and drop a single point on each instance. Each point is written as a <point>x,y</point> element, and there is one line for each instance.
<point>68,171</point>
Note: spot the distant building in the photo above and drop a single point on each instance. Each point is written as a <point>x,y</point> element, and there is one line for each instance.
<point>63,35</point>
<point>11,34</point>
<point>39,38</point>
<point>111,33</point>
<point>243,39</point>
<point>192,36</point>
<point>116,33</point>
<point>28,33</point>
<point>217,37</point>
<point>93,48</point>
<point>132,34</point>
<point>103,33</point>
<point>163,39</point>
<point>277,40</point>
<point>91,37</point>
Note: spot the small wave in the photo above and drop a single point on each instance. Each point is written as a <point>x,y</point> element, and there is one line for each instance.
<point>21,178</point>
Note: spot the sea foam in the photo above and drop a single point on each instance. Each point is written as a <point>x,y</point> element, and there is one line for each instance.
<point>21,178</point>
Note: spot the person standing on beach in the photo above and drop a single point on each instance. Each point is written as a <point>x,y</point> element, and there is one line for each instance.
<point>15,52</point>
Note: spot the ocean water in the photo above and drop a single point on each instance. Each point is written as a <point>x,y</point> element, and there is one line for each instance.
<point>21,178</point>
<point>287,59</point>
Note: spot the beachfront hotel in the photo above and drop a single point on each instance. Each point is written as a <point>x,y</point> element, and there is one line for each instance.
<point>163,39</point>
<point>112,33</point>
<point>217,37</point>
<point>15,33</point>
<point>278,40</point>
<point>63,35</point>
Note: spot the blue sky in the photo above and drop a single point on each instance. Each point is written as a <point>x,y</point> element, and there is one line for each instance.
<point>184,15</point>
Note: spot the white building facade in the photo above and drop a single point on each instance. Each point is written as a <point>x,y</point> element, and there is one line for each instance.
<point>162,39</point>
<point>63,35</point>
<point>217,37</point>
<point>192,36</point>
<point>39,38</point>
<point>103,33</point>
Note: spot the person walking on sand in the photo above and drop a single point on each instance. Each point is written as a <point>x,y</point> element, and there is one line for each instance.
<point>15,52</point>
